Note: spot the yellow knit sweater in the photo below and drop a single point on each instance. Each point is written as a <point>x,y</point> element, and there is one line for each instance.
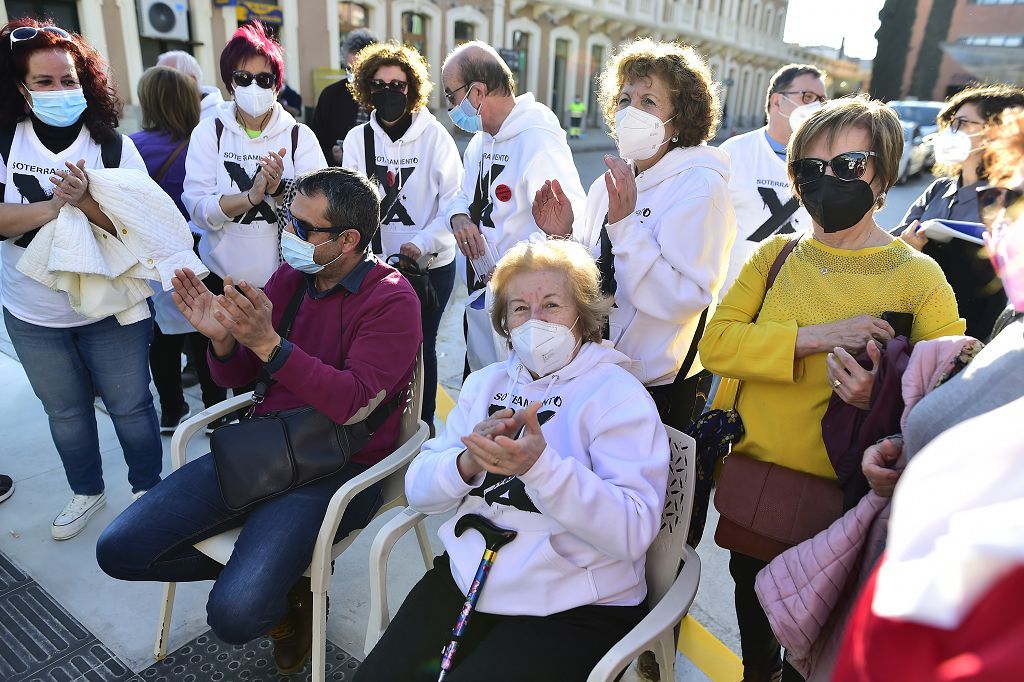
<point>782,400</point>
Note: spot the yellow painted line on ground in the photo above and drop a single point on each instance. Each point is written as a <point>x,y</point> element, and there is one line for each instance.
<point>444,403</point>
<point>713,658</point>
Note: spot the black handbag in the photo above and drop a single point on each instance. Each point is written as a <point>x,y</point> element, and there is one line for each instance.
<point>258,459</point>
<point>419,279</point>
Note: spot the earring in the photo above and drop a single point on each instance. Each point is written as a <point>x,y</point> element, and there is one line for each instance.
<point>675,138</point>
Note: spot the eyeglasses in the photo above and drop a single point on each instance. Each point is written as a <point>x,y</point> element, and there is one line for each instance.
<point>450,96</point>
<point>847,166</point>
<point>960,121</point>
<point>377,85</point>
<point>244,78</point>
<point>806,96</point>
<point>994,202</point>
<point>302,228</point>
<point>24,33</point>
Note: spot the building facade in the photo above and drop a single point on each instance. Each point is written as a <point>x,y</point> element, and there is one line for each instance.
<point>984,43</point>
<point>555,47</point>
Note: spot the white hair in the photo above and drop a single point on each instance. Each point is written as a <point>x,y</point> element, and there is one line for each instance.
<point>182,61</point>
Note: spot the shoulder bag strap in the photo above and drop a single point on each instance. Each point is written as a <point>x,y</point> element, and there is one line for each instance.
<point>371,163</point>
<point>284,328</point>
<point>110,152</point>
<point>162,173</point>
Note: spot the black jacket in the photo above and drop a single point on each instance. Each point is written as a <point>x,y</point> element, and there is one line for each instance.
<point>335,115</point>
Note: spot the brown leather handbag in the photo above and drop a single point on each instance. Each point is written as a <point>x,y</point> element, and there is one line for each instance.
<point>764,509</point>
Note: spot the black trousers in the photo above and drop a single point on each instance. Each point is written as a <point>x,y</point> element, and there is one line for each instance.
<point>555,648</point>
<point>761,651</point>
<point>165,364</point>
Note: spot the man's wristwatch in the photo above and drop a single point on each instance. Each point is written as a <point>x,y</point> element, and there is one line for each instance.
<point>273,354</point>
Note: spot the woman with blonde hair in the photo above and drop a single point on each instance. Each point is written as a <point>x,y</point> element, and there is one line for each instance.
<point>793,344</point>
<point>414,162</point>
<point>170,112</point>
<point>560,444</point>
<point>659,221</point>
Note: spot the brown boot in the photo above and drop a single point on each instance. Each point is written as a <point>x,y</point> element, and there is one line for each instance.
<point>293,637</point>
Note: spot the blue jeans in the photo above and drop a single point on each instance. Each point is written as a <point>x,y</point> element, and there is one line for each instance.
<point>65,367</point>
<point>153,540</point>
<point>443,279</point>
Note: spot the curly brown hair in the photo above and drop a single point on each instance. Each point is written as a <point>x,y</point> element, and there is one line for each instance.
<point>1004,154</point>
<point>391,53</point>
<point>695,98</point>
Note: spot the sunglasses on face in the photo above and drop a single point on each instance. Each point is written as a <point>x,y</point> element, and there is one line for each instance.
<point>847,166</point>
<point>377,85</point>
<point>994,202</point>
<point>302,228</point>
<point>24,33</point>
<point>244,78</point>
<point>806,96</point>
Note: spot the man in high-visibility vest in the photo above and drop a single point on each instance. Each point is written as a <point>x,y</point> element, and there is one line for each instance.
<point>576,111</point>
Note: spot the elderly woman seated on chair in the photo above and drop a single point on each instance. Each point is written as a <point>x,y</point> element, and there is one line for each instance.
<point>349,351</point>
<point>560,444</point>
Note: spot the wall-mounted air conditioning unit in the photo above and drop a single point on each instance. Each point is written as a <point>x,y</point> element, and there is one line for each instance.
<point>163,19</point>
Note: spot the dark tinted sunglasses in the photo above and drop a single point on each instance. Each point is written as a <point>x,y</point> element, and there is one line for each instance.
<point>244,78</point>
<point>24,33</point>
<point>847,166</point>
<point>302,228</point>
<point>994,200</point>
<point>377,85</point>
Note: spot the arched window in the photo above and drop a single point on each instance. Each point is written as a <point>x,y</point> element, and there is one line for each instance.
<point>414,31</point>
<point>464,32</point>
<point>351,16</point>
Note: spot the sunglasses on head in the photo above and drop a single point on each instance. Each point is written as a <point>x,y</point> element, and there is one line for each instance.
<point>377,85</point>
<point>302,228</point>
<point>847,166</point>
<point>993,201</point>
<point>24,33</point>
<point>244,78</point>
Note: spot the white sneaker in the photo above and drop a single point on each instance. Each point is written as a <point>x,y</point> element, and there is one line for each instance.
<point>139,494</point>
<point>76,514</point>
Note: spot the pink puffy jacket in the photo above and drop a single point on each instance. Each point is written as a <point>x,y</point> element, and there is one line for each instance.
<point>807,590</point>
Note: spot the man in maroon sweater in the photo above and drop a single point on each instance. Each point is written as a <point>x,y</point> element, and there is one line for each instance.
<point>352,348</point>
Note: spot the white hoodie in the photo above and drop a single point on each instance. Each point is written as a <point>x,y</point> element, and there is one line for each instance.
<point>210,101</point>
<point>426,172</point>
<point>247,246</point>
<point>671,256</point>
<point>503,173</point>
<point>586,511</point>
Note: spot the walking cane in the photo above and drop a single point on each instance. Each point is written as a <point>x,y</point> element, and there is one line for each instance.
<point>494,539</point>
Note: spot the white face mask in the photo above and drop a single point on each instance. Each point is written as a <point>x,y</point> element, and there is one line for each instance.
<point>254,100</point>
<point>801,114</point>
<point>638,133</point>
<point>952,148</point>
<point>544,347</point>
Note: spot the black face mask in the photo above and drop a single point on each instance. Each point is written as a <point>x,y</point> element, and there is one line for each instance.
<point>390,105</point>
<point>835,204</point>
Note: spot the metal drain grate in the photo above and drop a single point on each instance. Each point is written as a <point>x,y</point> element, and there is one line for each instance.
<point>207,659</point>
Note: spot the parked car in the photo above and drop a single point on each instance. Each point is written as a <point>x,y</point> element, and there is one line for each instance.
<point>923,114</point>
<point>915,153</point>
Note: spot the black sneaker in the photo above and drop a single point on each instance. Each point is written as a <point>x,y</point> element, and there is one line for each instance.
<point>6,487</point>
<point>169,421</point>
<point>217,423</point>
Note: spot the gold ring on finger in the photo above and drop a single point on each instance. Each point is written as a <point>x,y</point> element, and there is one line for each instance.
<point>496,461</point>
<point>837,383</point>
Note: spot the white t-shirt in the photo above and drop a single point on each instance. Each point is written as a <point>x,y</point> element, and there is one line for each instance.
<point>761,197</point>
<point>26,178</point>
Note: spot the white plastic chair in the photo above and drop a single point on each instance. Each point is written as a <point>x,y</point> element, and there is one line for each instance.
<point>670,591</point>
<point>391,470</point>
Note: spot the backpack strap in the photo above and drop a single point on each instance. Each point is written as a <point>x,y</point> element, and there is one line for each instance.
<point>370,154</point>
<point>6,142</point>
<point>295,143</point>
<point>218,125</point>
<point>110,151</point>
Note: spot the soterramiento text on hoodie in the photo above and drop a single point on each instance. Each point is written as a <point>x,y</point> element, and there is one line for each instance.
<point>586,511</point>
<point>671,257</point>
<point>505,170</point>
<point>246,246</point>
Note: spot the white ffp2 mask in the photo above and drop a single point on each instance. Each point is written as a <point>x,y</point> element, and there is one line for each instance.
<point>254,100</point>
<point>544,347</point>
<point>638,133</point>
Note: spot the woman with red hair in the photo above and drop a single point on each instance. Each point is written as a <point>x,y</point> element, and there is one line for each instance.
<point>240,163</point>
<point>58,111</point>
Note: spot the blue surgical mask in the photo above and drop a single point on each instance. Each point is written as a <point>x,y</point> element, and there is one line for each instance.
<point>465,116</point>
<point>58,108</point>
<point>299,254</point>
